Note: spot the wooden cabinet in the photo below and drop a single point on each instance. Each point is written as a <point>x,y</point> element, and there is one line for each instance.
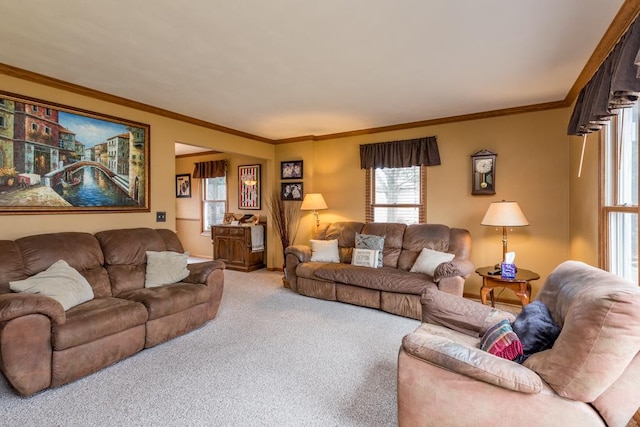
<point>233,245</point>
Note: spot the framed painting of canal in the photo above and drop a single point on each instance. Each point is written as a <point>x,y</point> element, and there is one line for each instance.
<point>249,187</point>
<point>60,159</point>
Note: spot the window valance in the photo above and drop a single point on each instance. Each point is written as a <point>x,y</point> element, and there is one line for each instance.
<point>400,154</point>
<point>615,85</point>
<point>210,169</point>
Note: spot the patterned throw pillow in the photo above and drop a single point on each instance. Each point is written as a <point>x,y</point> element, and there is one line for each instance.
<point>373,242</point>
<point>500,340</point>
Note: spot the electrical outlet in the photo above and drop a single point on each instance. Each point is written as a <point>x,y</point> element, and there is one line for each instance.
<point>161,216</point>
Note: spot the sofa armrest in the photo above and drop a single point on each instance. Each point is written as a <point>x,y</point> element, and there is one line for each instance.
<point>455,267</point>
<point>458,313</point>
<point>199,271</point>
<point>14,305</point>
<point>302,252</point>
<point>471,362</point>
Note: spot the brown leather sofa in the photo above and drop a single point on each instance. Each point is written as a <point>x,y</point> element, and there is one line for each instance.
<point>42,346</point>
<point>391,288</point>
<point>589,377</point>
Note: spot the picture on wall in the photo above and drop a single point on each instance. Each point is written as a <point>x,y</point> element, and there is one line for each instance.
<point>291,190</point>
<point>291,169</point>
<point>249,187</point>
<point>183,185</point>
<point>59,159</point>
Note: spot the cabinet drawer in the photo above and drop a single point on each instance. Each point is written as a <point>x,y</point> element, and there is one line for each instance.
<point>229,231</point>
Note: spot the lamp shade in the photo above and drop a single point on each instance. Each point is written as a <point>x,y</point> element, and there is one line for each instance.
<point>504,214</point>
<point>313,202</point>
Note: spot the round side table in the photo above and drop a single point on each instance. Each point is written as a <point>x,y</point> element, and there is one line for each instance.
<point>520,285</point>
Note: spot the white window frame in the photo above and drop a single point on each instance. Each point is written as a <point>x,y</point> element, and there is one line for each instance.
<point>619,216</point>
<point>372,204</point>
<point>206,228</point>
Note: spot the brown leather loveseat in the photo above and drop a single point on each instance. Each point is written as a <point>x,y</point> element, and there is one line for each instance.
<point>42,345</point>
<point>392,287</point>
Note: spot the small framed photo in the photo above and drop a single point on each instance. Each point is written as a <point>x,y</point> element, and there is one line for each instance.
<point>183,185</point>
<point>291,190</point>
<point>291,169</point>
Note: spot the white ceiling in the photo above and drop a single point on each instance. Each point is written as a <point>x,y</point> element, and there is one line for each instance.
<point>287,68</point>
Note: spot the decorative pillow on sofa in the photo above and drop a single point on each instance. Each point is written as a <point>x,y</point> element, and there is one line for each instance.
<point>324,251</point>
<point>373,242</point>
<point>429,259</point>
<point>365,257</point>
<point>60,282</point>
<point>501,341</point>
<point>164,268</point>
<point>536,329</point>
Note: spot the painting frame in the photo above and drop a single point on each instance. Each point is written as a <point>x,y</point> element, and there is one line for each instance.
<point>291,169</point>
<point>60,159</point>
<point>183,185</point>
<point>291,191</point>
<point>249,187</point>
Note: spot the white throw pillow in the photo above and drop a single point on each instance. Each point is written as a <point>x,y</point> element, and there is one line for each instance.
<point>365,257</point>
<point>429,259</point>
<point>60,282</point>
<point>324,251</point>
<point>165,268</point>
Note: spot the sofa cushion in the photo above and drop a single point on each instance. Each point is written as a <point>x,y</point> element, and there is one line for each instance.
<point>60,282</point>
<point>345,233</point>
<point>165,300</point>
<point>164,268</point>
<point>371,242</point>
<point>429,260</point>
<point>96,319</point>
<point>383,279</point>
<point>324,250</point>
<point>600,318</point>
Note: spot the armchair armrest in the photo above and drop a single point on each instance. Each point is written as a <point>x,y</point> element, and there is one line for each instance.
<point>458,313</point>
<point>455,267</point>
<point>14,305</point>
<point>302,252</point>
<point>469,361</point>
<point>198,272</point>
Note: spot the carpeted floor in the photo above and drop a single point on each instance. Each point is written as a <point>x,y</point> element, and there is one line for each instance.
<point>270,358</point>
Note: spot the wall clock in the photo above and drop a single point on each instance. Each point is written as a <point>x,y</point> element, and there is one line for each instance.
<point>483,172</point>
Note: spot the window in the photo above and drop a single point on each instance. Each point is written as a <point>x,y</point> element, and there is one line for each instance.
<point>214,202</point>
<point>620,207</point>
<point>34,127</point>
<point>34,108</point>
<point>3,122</point>
<point>47,130</point>
<point>396,195</point>
<point>47,111</point>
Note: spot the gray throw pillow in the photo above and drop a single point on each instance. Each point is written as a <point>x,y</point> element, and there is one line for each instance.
<point>370,241</point>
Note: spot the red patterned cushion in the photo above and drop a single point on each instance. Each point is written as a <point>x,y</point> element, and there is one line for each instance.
<point>501,341</point>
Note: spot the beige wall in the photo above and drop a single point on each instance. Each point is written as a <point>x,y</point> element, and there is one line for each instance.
<point>531,167</point>
<point>164,133</point>
<point>188,213</point>
<point>536,165</point>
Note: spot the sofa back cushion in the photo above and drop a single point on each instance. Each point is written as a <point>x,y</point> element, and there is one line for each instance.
<point>419,236</point>
<point>393,234</point>
<point>11,265</point>
<point>345,233</point>
<point>80,250</point>
<point>599,314</point>
<point>125,254</point>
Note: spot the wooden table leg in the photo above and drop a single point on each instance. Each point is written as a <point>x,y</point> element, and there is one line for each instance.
<point>484,290</point>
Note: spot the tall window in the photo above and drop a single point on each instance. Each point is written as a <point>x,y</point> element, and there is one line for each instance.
<point>396,195</point>
<point>214,202</point>
<point>620,207</point>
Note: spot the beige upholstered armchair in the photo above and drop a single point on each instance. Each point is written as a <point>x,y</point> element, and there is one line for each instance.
<point>590,376</point>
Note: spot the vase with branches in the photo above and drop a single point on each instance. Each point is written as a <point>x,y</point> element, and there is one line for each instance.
<point>285,216</point>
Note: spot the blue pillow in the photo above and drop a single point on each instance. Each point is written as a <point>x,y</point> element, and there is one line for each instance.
<point>536,329</point>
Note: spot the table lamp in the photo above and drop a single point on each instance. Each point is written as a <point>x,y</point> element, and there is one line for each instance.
<point>314,202</point>
<point>504,214</point>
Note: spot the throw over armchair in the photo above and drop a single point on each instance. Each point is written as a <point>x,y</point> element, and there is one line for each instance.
<point>589,377</point>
